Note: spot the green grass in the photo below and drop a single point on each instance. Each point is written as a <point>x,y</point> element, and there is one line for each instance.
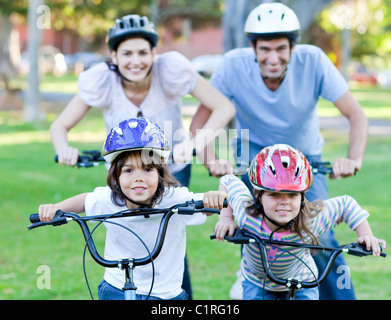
<point>375,105</point>
<point>29,177</point>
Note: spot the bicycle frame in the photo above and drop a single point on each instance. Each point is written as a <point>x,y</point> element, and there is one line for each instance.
<point>242,236</point>
<point>128,264</point>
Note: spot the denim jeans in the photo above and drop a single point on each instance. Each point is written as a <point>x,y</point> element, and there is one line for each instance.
<point>108,292</point>
<point>253,292</point>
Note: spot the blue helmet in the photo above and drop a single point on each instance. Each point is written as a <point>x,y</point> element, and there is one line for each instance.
<point>135,134</point>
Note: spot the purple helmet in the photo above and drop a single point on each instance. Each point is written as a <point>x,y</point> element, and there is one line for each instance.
<point>135,134</point>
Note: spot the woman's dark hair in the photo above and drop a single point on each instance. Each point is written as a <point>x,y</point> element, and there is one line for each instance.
<point>166,180</point>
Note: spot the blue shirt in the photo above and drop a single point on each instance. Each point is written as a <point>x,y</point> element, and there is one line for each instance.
<point>288,114</point>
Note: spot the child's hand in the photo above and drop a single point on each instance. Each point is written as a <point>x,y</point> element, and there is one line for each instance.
<point>47,212</point>
<point>214,199</point>
<point>372,242</point>
<point>226,224</point>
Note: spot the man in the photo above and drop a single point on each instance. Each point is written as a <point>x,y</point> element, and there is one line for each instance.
<point>275,86</point>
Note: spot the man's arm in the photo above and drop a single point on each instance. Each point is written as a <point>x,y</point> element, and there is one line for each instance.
<point>358,136</point>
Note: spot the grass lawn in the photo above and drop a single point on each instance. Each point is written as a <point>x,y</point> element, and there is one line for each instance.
<point>29,177</point>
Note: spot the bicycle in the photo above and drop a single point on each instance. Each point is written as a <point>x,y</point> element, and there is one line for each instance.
<point>242,236</point>
<point>125,264</point>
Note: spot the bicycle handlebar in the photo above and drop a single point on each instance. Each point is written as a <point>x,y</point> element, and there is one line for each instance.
<point>93,158</point>
<point>61,217</point>
<point>90,158</point>
<point>243,237</point>
<point>318,167</point>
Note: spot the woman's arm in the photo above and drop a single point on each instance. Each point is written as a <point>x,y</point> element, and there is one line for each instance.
<point>68,118</point>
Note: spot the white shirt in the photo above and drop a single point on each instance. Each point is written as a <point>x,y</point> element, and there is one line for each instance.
<point>172,77</point>
<point>121,244</point>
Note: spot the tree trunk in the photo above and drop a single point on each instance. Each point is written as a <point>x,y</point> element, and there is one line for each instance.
<point>32,110</point>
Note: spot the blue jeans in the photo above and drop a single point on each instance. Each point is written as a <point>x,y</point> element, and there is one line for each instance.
<point>108,292</point>
<point>253,292</point>
<point>319,190</point>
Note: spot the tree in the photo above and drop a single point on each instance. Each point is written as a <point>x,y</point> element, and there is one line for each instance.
<point>31,109</point>
<point>83,16</point>
<point>7,68</point>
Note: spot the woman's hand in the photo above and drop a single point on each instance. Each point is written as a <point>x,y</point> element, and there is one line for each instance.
<point>68,156</point>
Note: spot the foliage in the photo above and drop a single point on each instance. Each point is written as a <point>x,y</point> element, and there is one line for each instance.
<point>369,22</point>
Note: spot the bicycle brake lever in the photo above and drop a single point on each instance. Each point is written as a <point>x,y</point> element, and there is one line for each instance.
<point>238,238</point>
<point>359,250</point>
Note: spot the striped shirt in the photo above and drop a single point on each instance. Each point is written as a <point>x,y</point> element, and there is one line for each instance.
<point>292,264</point>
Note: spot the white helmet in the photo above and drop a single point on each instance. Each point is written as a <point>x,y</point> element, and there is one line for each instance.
<point>270,20</point>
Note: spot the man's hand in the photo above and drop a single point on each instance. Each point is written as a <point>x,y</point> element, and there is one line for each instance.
<point>344,168</point>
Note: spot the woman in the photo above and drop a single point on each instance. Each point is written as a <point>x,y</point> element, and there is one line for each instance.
<point>139,82</point>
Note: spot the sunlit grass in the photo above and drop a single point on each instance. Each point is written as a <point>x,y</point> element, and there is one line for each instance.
<point>29,177</point>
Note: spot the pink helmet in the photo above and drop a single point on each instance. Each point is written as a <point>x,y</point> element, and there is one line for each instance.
<point>280,168</point>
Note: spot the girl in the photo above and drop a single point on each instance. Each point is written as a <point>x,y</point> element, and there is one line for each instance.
<point>137,178</point>
<point>280,176</point>
<point>139,82</point>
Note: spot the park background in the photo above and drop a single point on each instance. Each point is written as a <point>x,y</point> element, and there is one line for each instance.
<point>354,33</point>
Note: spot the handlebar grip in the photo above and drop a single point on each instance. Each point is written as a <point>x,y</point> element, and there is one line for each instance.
<point>58,219</point>
<point>79,159</point>
<point>200,205</point>
<point>238,237</point>
<point>34,218</point>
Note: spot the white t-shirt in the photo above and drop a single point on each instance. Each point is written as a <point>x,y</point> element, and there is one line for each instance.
<point>172,77</point>
<point>121,244</point>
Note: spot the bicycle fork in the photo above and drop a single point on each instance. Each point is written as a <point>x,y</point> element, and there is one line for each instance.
<point>129,288</point>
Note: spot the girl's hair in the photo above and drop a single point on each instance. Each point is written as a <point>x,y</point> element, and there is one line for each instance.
<point>301,225</point>
<point>149,160</point>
